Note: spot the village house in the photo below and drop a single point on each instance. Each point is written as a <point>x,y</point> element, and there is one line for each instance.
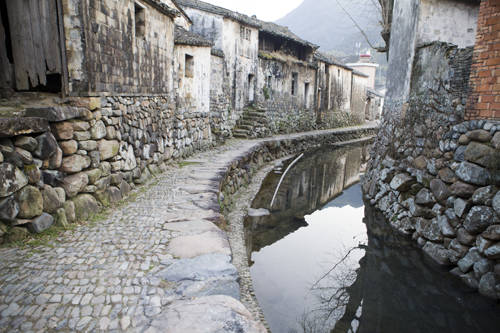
<point>100,95</point>
<point>235,59</point>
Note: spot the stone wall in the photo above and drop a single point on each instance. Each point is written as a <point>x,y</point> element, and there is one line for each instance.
<point>433,175</point>
<point>484,100</point>
<point>105,55</point>
<point>92,154</point>
<point>449,201</point>
<point>222,114</point>
<point>286,112</point>
<point>243,167</point>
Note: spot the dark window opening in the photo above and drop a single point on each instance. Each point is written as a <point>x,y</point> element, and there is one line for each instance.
<point>306,95</point>
<point>250,88</point>
<point>295,79</point>
<point>140,20</point>
<point>6,27</point>
<point>269,81</point>
<point>54,84</point>
<point>189,66</point>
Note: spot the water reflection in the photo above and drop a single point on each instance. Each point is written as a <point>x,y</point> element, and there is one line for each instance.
<point>340,269</point>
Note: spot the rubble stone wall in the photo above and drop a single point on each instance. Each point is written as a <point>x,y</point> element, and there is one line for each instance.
<point>436,177</point>
<point>63,167</point>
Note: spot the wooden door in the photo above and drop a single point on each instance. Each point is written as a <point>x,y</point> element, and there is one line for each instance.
<point>35,42</point>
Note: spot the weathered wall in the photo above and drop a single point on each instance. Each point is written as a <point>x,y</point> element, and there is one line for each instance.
<point>106,57</point>
<point>91,155</point>
<point>358,96</point>
<point>286,112</point>
<point>448,21</point>
<point>208,25</point>
<point>242,60</point>
<point>192,90</point>
<point>223,117</point>
<point>432,175</point>
<point>484,100</point>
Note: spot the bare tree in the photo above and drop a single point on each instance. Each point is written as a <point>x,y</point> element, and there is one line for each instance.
<point>384,8</point>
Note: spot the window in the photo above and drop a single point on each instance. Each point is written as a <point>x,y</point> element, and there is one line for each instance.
<point>245,33</point>
<point>306,95</point>
<point>338,73</point>
<point>269,81</point>
<point>140,20</point>
<point>251,94</point>
<point>189,66</point>
<point>295,79</point>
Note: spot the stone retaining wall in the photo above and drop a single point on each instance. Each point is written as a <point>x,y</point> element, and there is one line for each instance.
<point>241,170</point>
<point>60,164</point>
<point>449,201</point>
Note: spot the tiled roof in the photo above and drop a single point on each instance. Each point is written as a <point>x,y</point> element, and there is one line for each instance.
<point>184,37</point>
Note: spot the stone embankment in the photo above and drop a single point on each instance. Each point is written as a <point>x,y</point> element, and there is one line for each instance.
<point>60,163</point>
<point>160,263</point>
<point>449,201</point>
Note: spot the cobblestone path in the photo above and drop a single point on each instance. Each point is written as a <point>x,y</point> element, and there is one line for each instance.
<point>158,264</point>
<point>150,266</point>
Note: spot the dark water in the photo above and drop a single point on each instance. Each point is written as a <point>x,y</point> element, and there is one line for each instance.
<point>323,265</point>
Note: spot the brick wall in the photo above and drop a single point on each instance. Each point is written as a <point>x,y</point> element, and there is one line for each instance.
<point>484,100</point>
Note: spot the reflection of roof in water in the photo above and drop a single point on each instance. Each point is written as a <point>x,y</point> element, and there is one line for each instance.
<point>349,197</point>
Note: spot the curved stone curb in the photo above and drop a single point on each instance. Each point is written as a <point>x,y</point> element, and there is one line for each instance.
<point>135,270</point>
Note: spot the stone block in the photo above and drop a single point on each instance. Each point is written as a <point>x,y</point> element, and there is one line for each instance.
<point>479,135</point>
<point>10,127</point>
<point>26,142</point>
<point>75,163</point>
<point>47,146</point>
<point>75,183</point>
<point>473,174</point>
<point>30,202</point>
<point>41,223</point>
<point>86,206</point>
<point>461,189</point>
<point>69,147</point>
<point>482,195</point>
<point>8,209</point>
<point>51,199</point>
<point>60,218</point>
<point>108,149</point>
<point>98,131</point>
<point>69,209</point>
<point>63,130</point>
<point>401,182</point>
<point>479,218</point>
<point>57,113</point>
<point>483,155</point>
<point>439,189</point>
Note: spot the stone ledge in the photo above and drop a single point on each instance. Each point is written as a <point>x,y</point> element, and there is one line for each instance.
<point>10,127</point>
<point>57,113</point>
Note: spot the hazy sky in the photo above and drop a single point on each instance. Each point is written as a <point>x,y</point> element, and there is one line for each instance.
<point>267,10</point>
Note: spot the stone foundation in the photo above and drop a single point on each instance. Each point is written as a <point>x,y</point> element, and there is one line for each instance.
<point>61,164</point>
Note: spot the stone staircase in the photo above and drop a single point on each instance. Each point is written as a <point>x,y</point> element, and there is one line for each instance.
<point>252,124</point>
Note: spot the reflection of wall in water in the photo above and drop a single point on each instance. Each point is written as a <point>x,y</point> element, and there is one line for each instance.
<point>314,181</point>
<point>401,291</point>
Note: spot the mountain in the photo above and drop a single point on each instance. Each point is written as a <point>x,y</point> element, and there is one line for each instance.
<point>323,22</point>
<point>326,24</point>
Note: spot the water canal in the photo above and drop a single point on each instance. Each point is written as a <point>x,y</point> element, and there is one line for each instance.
<point>323,261</point>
